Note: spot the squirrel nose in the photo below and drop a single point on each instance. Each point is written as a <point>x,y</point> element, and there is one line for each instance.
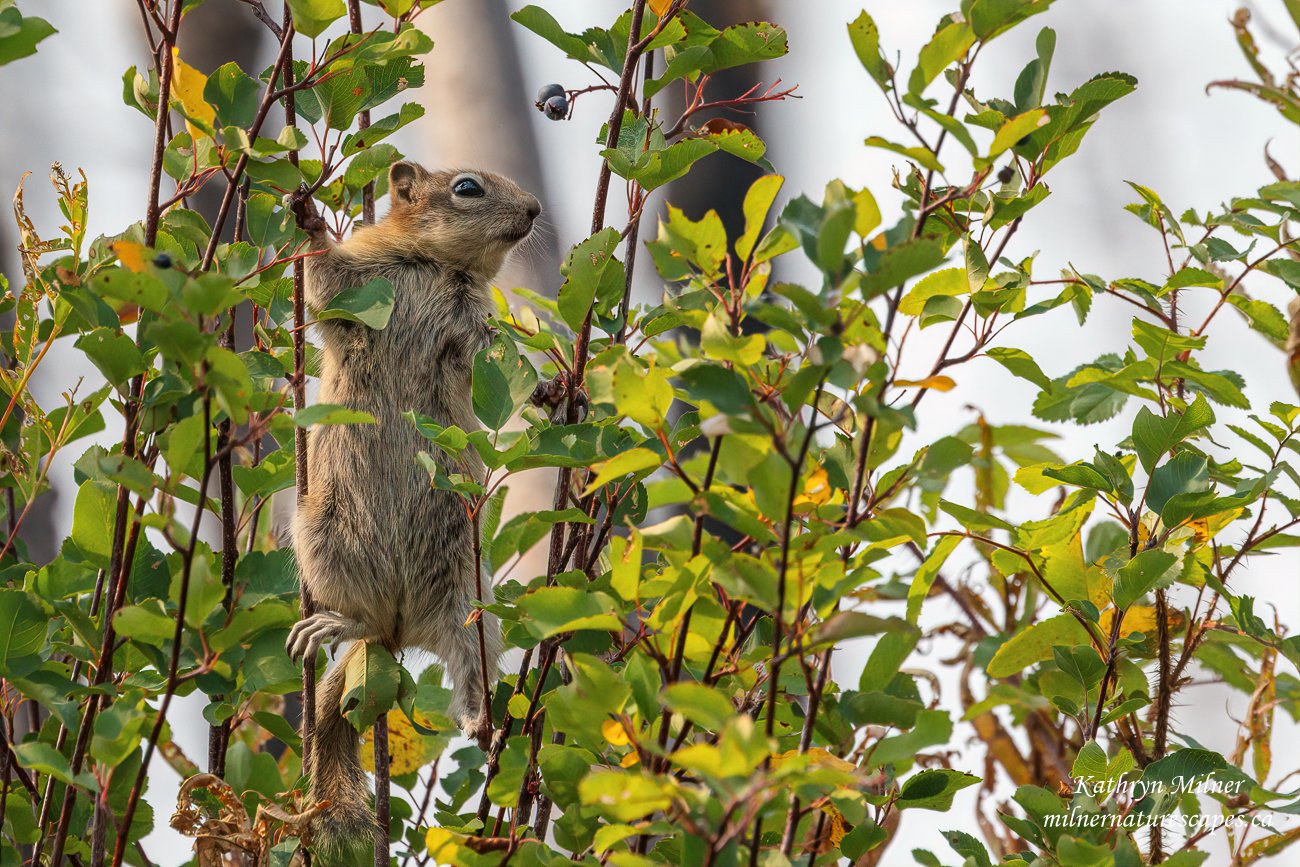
<point>534,208</point>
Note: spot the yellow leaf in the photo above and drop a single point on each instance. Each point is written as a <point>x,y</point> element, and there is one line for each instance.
<point>614,732</point>
<point>1139,618</point>
<point>630,760</point>
<point>866,213</point>
<point>442,844</point>
<point>938,383</point>
<point>816,756</point>
<point>838,826</point>
<point>408,749</point>
<point>187,89</point>
<point>948,283</point>
<point>130,254</point>
<point>659,7</point>
<point>817,490</point>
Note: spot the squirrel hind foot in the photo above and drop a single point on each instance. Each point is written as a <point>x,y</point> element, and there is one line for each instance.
<point>477,728</point>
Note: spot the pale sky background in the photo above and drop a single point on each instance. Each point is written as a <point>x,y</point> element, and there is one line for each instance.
<point>1196,150</point>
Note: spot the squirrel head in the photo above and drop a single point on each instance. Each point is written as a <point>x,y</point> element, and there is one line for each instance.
<point>469,220</point>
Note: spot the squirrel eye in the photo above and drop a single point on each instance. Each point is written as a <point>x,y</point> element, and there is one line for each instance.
<point>467,187</point>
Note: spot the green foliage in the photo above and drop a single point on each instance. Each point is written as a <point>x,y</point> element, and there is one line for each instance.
<point>745,495</point>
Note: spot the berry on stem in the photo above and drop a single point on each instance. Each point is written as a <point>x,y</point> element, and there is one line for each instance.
<point>548,91</point>
<point>556,108</point>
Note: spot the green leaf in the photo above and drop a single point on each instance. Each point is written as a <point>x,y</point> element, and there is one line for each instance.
<point>22,632</point>
<point>705,50</point>
<point>925,575</point>
<point>1080,663</point>
<point>901,263</point>
<point>1093,766</point>
<point>1032,80</point>
<point>369,165</point>
<point>865,37</point>
<point>658,166</point>
<point>972,519</point>
<point>146,623</point>
<point>234,95</point>
<point>115,354</point>
<point>717,342</point>
<point>330,413</point>
<point>1263,317</point>
<point>645,396</point>
<point>45,759</point>
<point>92,520</point>
<point>371,304</point>
<point>1187,473</point>
<point>1154,436</point>
<point>1015,129</point>
<point>585,269</point>
<point>625,565</point>
<point>118,732</point>
<point>758,202</point>
<point>502,381</point>
<point>381,129</point>
<point>19,34</point>
<point>950,282</point>
<point>703,705</point>
<point>372,678</point>
<point>311,17</point>
<point>544,25</point>
<point>1034,644</point>
<point>525,530</point>
<point>684,243</point>
<point>552,610</point>
<point>623,796</point>
<point>933,789</point>
<point>948,45</point>
<point>932,727</point>
<point>990,18</point>
<point>632,461</point>
<point>847,625</point>
<point>1021,364</point>
<point>562,768</point>
<point>1140,575</point>
<point>924,157</point>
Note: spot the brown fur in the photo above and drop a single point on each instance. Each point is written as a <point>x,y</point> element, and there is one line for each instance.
<point>386,557</point>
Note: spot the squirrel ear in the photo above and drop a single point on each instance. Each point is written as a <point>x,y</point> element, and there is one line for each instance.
<point>401,180</point>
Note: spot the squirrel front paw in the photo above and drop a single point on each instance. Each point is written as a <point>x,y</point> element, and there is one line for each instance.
<point>303,207</point>
<point>552,395</point>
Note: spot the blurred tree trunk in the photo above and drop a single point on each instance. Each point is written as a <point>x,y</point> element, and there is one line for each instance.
<point>722,188</point>
<point>37,536</point>
<point>217,33</point>
<point>723,185</point>
<point>475,78</point>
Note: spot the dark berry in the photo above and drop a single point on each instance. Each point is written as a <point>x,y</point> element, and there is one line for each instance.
<point>556,108</point>
<point>1006,174</point>
<point>162,260</point>
<point>547,92</point>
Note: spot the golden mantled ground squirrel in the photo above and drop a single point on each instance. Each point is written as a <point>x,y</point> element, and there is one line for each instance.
<point>387,558</point>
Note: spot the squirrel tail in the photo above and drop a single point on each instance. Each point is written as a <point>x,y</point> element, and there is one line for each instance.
<point>336,773</point>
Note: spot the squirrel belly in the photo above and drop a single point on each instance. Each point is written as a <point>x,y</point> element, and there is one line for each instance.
<point>385,556</point>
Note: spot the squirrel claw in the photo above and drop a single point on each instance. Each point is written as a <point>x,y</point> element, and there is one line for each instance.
<point>304,211</point>
<point>307,635</point>
<point>552,394</point>
<point>478,729</point>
